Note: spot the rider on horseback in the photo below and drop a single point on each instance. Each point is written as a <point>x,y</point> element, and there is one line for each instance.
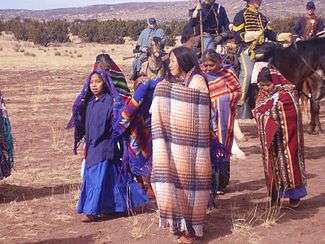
<point>214,20</point>
<point>143,44</point>
<point>251,28</point>
<point>308,26</point>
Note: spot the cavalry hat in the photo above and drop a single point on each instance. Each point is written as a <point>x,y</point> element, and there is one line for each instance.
<point>152,21</point>
<point>310,5</point>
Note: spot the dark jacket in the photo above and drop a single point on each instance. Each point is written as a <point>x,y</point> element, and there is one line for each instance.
<point>100,144</point>
<point>215,19</point>
<point>190,30</point>
<point>300,28</point>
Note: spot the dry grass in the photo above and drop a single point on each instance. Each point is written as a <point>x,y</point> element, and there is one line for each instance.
<point>36,97</point>
<point>16,47</point>
<point>50,58</point>
<point>58,137</point>
<point>141,225</point>
<point>244,221</point>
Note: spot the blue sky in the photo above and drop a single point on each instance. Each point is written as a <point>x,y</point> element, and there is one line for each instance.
<point>49,4</point>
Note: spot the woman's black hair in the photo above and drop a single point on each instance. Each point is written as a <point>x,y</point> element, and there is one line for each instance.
<point>104,58</point>
<point>264,76</point>
<point>212,55</point>
<point>186,59</point>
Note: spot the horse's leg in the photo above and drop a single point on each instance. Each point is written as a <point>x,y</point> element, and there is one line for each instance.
<point>312,123</point>
<point>239,135</point>
<point>317,93</point>
<point>304,100</point>
<point>317,119</point>
<point>236,151</point>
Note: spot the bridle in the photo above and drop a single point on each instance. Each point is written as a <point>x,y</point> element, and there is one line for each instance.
<point>314,72</point>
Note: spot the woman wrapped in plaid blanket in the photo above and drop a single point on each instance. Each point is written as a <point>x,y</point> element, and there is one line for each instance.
<point>278,118</point>
<point>6,142</point>
<point>181,173</point>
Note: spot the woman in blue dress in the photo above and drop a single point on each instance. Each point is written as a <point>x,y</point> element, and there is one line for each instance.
<point>108,186</point>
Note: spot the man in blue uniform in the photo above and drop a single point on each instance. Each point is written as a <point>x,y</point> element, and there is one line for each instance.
<point>309,25</point>
<point>143,44</point>
<point>214,20</point>
<point>251,30</point>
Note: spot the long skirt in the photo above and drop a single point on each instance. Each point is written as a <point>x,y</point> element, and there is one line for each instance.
<point>106,190</point>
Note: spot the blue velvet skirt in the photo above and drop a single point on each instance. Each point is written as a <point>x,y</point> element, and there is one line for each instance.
<point>105,190</point>
<point>295,193</point>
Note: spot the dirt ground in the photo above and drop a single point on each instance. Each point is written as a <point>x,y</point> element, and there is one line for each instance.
<point>37,203</point>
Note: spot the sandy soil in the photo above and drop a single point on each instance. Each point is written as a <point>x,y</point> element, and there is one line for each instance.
<point>37,203</point>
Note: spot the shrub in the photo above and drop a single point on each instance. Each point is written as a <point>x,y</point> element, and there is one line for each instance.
<point>29,54</point>
<point>16,47</point>
<point>285,24</point>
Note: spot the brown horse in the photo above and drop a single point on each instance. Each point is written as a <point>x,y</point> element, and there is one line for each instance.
<point>303,61</point>
<point>155,67</point>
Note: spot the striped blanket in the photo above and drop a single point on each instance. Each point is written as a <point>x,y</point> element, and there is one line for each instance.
<point>225,92</point>
<point>181,174</point>
<point>278,118</point>
<point>139,148</point>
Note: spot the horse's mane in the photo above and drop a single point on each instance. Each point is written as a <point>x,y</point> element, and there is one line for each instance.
<point>306,47</point>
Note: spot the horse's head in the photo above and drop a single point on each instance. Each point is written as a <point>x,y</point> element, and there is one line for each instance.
<point>156,65</point>
<point>266,51</point>
<point>155,48</point>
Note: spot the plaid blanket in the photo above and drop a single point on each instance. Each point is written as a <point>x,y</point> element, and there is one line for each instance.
<point>6,142</point>
<point>181,174</point>
<point>279,123</point>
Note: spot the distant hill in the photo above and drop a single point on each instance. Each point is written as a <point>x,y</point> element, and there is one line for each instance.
<point>161,10</point>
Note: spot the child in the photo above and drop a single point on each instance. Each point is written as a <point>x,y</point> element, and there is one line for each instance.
<point>108,186</point>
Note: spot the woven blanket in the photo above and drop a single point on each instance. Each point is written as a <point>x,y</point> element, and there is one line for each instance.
<point>224,89</point>
<point>279,123</point>
<point>225,92</point>
<point>181,174</point>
